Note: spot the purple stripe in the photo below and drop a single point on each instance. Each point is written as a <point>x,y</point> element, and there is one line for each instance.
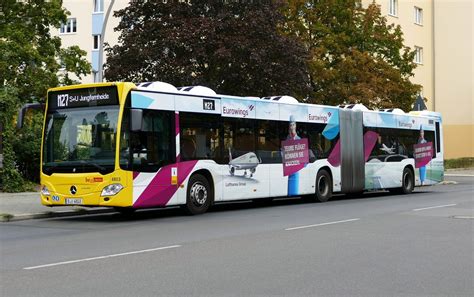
<point>160,191</point>
<point>370,139</point>
<point>135,174</point>
<point>335,156</point>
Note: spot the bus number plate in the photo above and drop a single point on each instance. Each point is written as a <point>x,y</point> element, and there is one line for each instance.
<point>73,200</point>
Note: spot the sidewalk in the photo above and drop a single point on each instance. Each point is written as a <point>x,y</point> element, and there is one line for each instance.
<point>459,172</point>
<point>27,205</point>
<point>24,206</point>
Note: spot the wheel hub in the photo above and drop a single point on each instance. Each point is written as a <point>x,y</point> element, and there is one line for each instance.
<point>322,186</point>
<point>198,194</point>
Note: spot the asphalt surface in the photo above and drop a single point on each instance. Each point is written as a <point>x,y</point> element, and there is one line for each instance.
<point>375,245</point>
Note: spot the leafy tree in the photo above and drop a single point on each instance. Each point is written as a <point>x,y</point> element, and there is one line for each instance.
<point>11,179</point>
<point>355,56</point>
<point>29,65</point>
<point>234,48</point>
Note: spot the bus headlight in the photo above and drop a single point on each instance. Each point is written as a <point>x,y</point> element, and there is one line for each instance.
<point>111,190</point>
<point>45,191</point>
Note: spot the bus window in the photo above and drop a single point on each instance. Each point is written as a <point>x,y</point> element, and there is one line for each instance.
<point>239,137</point>
<point>268,142</point>
<point>438,138</point>
<point>152,147</point>
<point>200,136</point>
<point>320,147</point>
<point>396,143</point>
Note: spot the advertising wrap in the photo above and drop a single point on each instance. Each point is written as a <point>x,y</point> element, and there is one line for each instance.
<point>295,155</point>
<point>423,153</point>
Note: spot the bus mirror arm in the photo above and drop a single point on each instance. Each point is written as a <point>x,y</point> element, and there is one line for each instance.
<point>136,119</point>
<point>24,110</point>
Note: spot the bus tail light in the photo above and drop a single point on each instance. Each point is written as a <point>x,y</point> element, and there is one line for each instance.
<point>111,190</point>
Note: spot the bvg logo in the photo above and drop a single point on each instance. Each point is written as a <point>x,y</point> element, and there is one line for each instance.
<point>63,100</point>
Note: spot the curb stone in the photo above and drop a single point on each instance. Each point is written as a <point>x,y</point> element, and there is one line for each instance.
<point>5,217</point>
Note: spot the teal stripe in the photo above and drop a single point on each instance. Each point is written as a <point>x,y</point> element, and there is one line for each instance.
<point>141,101</point>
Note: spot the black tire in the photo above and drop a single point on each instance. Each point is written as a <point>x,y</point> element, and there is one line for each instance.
<point>323,191</point>
<point>125,211</point>
<point>199,195</point>
<point>408,182</point>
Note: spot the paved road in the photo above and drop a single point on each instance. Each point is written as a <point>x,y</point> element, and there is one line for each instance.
<point>378,245</point>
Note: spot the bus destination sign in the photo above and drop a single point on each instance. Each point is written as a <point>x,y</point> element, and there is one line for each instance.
<point>83,97</point>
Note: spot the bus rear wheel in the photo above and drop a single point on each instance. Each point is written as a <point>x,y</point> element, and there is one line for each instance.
<point>323,185</point>
<point>408,182</point>
<point>199,195</point>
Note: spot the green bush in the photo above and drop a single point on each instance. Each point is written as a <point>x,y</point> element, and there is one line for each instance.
<point>27,146</point>
<point>459,163</point>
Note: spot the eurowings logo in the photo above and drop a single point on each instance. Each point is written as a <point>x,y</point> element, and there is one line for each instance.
<point>319,118</point>
<point>405,125</point>
<point>237,111</point>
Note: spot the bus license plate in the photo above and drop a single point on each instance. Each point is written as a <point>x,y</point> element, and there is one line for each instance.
<point>73,200</point>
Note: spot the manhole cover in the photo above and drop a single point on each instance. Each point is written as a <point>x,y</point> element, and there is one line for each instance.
<point>463,217</point>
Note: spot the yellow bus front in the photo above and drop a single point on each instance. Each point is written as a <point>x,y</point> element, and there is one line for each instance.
<point>80,147</point>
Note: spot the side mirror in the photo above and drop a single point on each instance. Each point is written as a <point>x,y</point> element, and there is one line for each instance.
<point>24,109</point>
<point>136,119</point>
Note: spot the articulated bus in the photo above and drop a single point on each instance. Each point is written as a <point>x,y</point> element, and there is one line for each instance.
<point>154,145</point>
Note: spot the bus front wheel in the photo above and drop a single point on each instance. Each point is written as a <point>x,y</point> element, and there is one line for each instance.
<point>199,195</point>
<point>323,190</point>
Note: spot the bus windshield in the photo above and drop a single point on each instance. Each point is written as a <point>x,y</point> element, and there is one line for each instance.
<point>80,140</point>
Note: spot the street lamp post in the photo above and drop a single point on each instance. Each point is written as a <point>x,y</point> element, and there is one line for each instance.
<point>101,43</point>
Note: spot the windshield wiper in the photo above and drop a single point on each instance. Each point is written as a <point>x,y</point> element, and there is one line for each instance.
<point>49,169</point>
<point>69,166</point>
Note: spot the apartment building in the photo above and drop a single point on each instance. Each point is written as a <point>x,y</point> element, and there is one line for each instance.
<point>84,27</point>
<point>453,74</point>
<point>441,31</point>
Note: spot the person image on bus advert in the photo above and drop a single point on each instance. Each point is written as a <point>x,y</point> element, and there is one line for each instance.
<point>422,139</point>
<point>293,179</point>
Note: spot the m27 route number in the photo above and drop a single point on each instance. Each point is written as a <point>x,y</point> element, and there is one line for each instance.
<point>208,104</point>
<point>63,100</point>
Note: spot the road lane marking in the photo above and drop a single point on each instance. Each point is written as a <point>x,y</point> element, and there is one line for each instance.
<point>322,224</point>
<point>102,257</point>
<point>431,207</point>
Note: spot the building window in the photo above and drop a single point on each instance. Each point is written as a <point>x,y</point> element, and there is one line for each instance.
<point>418,55</point>
<point>98,5</point>
<point>418,16</point>
<point>69,27</point>
<point>393,7</point>
<point>96,42</point>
